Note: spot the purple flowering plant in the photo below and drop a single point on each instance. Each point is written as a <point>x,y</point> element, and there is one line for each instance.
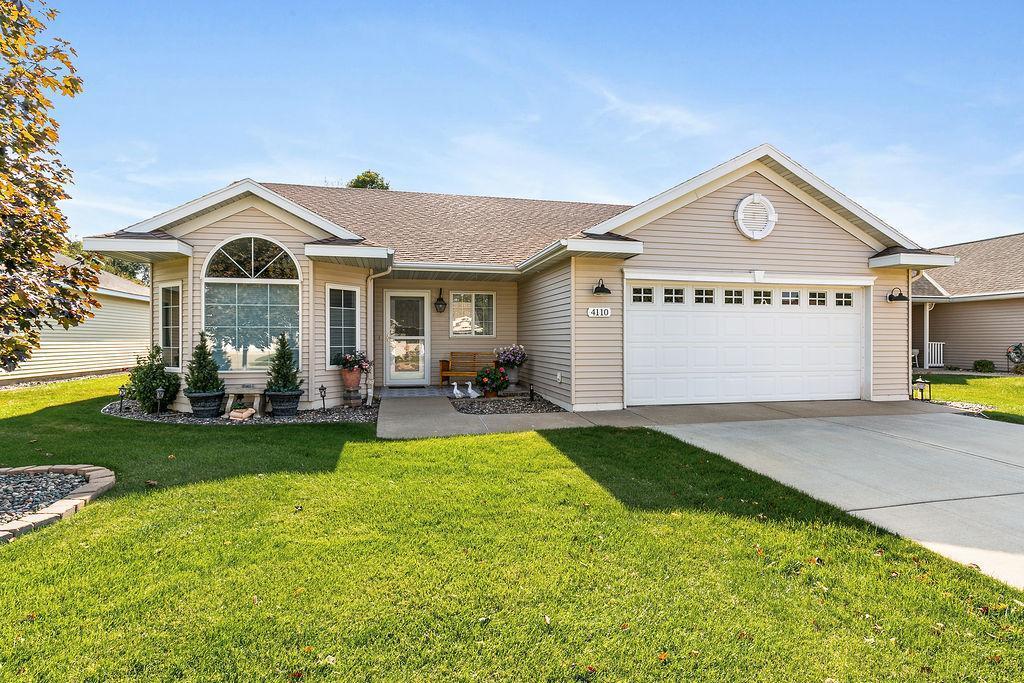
<point>511,356</point>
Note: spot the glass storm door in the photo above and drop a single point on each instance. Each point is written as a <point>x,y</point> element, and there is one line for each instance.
<point>408,337</point>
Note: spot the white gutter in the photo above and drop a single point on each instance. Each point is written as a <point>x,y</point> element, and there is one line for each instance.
<point>960,298</point>
<point>455,267</point>
<point>347,251</point>
<point>152,246</point>
<point>576,245</point>
<point>915,261</point>
<point>369,327</point>
<point>123,295</point>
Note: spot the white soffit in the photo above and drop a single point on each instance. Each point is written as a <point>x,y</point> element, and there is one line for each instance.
<point>915,261</point>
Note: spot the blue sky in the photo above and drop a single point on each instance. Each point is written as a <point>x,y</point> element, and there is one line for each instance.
<point>916,110</point>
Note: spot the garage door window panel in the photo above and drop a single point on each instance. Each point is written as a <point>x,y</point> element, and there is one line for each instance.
<point>817,299</point>
<point>643,295</point>
<point>703,296</point>
<point>734,297</point>
<point>844,299</point>
<point>762,297</point>
<point>675,295</point>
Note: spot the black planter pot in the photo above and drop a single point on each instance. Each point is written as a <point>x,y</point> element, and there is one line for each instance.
<point>205,403</point>
<point>284,403</point>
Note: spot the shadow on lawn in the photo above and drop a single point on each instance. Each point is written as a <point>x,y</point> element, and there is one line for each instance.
<point>139,451</point>
<point>657,472</point>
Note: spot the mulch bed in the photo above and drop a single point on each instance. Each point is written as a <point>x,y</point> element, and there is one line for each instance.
<point>506,405</point>
<point>329,416</point>
<point>23,494</point>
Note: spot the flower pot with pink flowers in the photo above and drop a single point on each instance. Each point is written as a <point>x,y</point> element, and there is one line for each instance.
<point>353,366</point>
<point>492,381</point>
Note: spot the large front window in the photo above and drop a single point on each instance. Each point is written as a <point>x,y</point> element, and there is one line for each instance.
<point>251,297</point>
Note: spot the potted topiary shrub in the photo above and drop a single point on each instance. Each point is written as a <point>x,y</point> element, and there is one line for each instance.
<point>147,376</point>
<point>283,381</point>
<point>353,366</point>
<point>492,380</point>
<point>511,358</point>
<point>204,388</point>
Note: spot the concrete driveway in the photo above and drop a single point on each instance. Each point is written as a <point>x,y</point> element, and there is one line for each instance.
<point>953,482</point>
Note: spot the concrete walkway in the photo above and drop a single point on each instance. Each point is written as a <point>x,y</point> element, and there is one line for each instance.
<point>427,416</point>
<point>952,482</point>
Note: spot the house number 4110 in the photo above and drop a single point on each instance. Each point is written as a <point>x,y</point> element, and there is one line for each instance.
<point>599,312</point>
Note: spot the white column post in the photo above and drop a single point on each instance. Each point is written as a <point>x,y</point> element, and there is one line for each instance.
<point>924,322</point>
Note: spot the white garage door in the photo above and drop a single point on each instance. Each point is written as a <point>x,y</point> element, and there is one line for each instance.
<point>715,343</point>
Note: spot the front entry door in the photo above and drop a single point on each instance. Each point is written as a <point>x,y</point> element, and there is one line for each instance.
<point>408,339</point>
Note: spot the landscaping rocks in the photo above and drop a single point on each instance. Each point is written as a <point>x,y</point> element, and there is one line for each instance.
<point>37,495</point>
<point>22,494</point>
<point>331,415</point>
<point>507,405</point>
<point>966,407</point>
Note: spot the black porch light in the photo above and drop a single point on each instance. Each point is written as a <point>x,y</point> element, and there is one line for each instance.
<point>159,400</point>
<point>122,391</point>
<point>600,289</point>
<point>440,304</point>
<point>897,295</point>
<point>323,395</point>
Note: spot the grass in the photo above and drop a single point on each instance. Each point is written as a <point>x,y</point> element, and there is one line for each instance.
<point>319,553</point>
<point>1005,393</point>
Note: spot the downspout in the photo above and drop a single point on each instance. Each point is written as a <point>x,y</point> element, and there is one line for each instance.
<point>369,326</point>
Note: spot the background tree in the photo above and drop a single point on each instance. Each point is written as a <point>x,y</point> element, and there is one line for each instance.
<point>35,291</point>
<point>132,270</point>
<point>371,179</point>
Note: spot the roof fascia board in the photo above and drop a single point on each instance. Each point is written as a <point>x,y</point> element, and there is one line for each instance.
<point>592,246</point>
<point>916,261</point>
<point>121,295</point>
<point>151,246</point>
<point>964,298</point>
<point>243,203</point>
<point>935,283</point>
<point>697,187</point>
<point>455,267</point>
<point>748,277</point>
<point>553,250</point>
<point>237,189</point>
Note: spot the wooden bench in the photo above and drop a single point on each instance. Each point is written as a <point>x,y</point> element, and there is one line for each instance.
<point>464,364</point>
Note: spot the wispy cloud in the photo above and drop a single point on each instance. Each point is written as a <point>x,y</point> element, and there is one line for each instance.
<point>649,117</point>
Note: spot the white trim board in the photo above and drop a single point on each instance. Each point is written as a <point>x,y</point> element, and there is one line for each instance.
<point>915,261</point>
<point>700,185</point>
<point>751,277</point>
<point>153,246</point>
<point>327,319</point>
<point>121,295</point>
<point>238,190</point>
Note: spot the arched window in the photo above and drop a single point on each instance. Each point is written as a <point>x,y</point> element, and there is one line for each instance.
<point>251,297</point>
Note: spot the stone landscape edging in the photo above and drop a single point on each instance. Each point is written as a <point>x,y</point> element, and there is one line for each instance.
<point>98,480</point>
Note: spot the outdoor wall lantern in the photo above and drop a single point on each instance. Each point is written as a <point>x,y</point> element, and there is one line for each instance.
<point>600,289</point>
<point>323,395</point>
<point>897,295</point>
<point>440,304</point>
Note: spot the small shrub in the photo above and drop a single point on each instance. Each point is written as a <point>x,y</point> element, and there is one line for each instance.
<point>147,376</point>
<point>283,375</point>
<point>984,366</point>
<point>492,379</point>
<point>202,376</point>
<point>1018,369</point>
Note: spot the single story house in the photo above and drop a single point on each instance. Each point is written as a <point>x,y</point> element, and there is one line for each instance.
<point>973,310</point>
<point>109,341</point>
<point>753,281</point>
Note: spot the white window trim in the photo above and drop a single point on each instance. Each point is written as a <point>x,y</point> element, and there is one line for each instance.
<point>703,290</point>
<point>248,281</point>
<point>181,317</point>
<point>327,320</point>
<point>451,311</point>
<point>632,293</point>
<point>674,302</point>
<point>826,292</point>
<point>744,298</point>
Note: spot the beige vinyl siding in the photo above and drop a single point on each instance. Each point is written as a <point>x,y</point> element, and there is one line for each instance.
<point>597,342</point>
<point>977,330</point>
<point>247,222</point>
<point>349,276</point>
<point>545,329</point>
<point>441,344</point>
<point>165,273</point>
<point>890,337</point>
<point>110,340</point>
<point>702,236</point>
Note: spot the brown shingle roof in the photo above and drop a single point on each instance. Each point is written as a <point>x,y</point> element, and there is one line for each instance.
<point>992,265</point>
<point>110,281</point>
<point>421,226</point>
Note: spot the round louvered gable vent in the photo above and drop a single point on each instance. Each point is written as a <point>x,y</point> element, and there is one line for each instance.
<point>755,216</point>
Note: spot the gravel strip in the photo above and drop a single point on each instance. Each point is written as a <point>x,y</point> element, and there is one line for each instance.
<point>968,407</point>
<point>331,415</point>
<point>504,406</point>
<point>23,494</point>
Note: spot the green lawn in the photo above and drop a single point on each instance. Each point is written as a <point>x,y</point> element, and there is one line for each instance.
<point>1005,393</point>
<point>317,552</point>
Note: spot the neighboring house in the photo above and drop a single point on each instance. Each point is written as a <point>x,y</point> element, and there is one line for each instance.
<point>754,281</point>
<point>975,309</point>
<point>119,330</point>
